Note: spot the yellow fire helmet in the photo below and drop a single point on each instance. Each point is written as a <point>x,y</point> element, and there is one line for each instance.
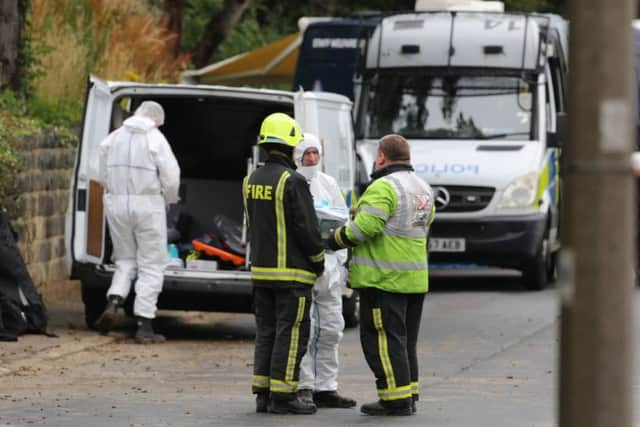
<point>279,128</point>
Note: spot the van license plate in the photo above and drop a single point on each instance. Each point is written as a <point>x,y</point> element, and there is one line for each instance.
<point>446,245</point>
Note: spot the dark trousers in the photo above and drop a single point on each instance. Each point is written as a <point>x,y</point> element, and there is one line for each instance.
<point>389,327</point>
<point>282,333</point>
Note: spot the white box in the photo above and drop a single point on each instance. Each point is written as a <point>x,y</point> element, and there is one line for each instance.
<point>202,265</point>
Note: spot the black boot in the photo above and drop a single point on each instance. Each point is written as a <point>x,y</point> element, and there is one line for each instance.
<point>145,334</point>
<point>108,317</point>
<point>294,406</point>
<point>262,402</point>
<point>384,408</point>
<point>414,399</point>
<point>305,395</point>
<point>331,399</point>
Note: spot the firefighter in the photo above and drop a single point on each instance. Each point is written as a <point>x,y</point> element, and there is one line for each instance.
<point>286,258</point>
<point>389,267</point>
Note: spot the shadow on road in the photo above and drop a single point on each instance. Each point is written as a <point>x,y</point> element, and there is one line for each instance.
<point>206,326</point>
<point>511,283</point>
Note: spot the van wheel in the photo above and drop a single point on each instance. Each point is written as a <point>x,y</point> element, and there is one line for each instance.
<point>552,268</point>
<point>350,310</point>
<point>95,301</point>
<point>535,271</point>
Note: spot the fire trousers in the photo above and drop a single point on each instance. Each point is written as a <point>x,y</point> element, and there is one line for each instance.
<point>282,334</point>
<point>389,327</point>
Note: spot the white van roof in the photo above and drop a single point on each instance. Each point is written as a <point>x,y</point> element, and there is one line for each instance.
<point>179,88</point>
<point>474,39</point>
<point>459,5</point>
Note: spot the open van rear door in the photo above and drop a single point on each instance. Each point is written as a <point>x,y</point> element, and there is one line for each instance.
<point>328,116</point>
<point>87,215</point>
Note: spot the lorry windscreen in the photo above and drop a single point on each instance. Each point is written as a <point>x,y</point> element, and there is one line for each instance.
<point>418,105</point>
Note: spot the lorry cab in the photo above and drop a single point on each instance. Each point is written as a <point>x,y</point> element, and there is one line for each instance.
<point>329,51</point>
<point>480,97</point>
<point>213,132</point>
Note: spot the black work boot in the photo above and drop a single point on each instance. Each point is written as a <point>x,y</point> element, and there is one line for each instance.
<point>331,399</point>
<point>305,395</point>
<point>293,406</point>
<point>384,408</point>
<point>145,334</point>
<point>414,399</point>
<point>262,402</point>
<point>108,317</point>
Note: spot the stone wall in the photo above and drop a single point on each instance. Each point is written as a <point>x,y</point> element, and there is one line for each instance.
<point>47,162</point>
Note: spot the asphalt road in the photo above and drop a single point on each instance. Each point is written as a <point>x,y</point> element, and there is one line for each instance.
<point>487,351</point>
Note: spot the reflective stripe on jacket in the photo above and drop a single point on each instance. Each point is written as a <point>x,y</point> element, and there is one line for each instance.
<point>283,228</point>
<point>389,233</point>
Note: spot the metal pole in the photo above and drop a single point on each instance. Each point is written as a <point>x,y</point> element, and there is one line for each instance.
<point>599,219</point>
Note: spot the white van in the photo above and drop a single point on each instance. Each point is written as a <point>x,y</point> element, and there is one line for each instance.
<point>480,97</point>
<point>212,131</point>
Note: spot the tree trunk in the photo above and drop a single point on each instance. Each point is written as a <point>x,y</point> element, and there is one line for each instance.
<point>218,29</point>
<point>323,7</point>
<point>175,11</point>
<point>10,31</point>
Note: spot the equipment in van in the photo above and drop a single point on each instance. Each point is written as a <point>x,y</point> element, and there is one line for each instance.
<point>230,233</point>
<point>219,253</point>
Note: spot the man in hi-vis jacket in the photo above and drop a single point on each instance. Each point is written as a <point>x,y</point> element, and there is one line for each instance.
<point>389,268</point>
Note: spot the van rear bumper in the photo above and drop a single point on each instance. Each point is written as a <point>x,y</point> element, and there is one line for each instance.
<point>184,293</point>
<point>505,241</point>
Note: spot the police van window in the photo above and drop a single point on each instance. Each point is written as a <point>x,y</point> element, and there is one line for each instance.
<point>419,105</point>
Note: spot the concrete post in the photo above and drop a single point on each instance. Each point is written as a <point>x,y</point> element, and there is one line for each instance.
<point>599,218</point>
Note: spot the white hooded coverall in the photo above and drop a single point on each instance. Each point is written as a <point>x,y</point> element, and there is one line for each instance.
<point>140,176</point>
<point>319,366</point>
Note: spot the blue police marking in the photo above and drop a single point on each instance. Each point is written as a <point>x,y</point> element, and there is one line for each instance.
<point>447,169</point>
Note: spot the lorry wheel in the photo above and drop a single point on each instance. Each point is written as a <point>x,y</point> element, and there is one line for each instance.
<point>350,310</point>
<point>94,303</point>
<point>535,271</point>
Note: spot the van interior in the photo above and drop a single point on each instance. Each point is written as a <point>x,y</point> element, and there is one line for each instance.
<point>213,139</point>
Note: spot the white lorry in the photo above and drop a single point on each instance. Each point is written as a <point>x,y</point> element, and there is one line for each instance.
<point>480,97</point>
<point>212,131</point>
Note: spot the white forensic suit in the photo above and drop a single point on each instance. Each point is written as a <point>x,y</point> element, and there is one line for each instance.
<point>141,177</point>
<point>319,366</point>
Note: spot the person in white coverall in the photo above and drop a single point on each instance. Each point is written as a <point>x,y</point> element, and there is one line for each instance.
<point>140,176</point>
<point>319,367</point>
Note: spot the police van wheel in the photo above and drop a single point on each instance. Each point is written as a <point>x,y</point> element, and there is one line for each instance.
<point>95,301</point>
<point>535,271</point>
<point>552,268</point>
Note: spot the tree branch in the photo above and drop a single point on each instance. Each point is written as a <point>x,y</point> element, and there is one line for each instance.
<point>218,29</point>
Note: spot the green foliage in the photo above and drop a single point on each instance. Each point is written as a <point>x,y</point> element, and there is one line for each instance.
<point>8,166</point>
<point>197,14</point>
<point>60,112</point>
<point>248,34</point>
<point>534,5</point>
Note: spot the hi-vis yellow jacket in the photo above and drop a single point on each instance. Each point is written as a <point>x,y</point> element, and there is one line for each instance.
<point>389,233</point>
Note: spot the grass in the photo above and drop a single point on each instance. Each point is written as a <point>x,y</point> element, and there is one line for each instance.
<point>113,39</point>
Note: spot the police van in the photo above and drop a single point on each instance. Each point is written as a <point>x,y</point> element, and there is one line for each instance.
<point>481,98</point>
<point>213,132</point>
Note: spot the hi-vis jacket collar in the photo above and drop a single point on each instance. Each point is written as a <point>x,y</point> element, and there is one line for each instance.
<point>396,167</point>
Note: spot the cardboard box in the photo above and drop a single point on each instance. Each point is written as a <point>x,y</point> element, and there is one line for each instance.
<point>202,265</point>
